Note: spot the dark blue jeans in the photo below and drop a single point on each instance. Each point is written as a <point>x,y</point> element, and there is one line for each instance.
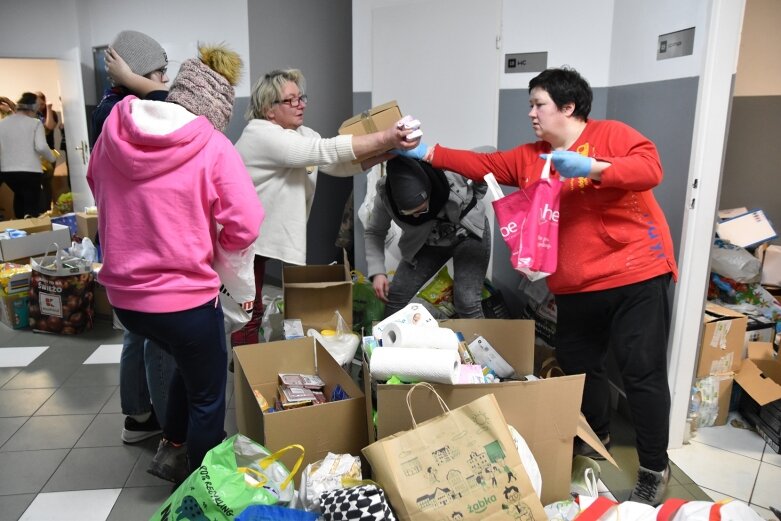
<point>633,322</point>
<point>470,263</point>
<point>196,399</point>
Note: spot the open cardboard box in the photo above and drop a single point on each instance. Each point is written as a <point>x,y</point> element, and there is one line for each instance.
<point>545,412</point>
<point>42,233</point>
<point>314,293</point>
<point>338,427</point>
<point>760,378</point>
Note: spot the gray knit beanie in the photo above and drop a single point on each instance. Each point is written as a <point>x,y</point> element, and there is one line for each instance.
<point>204,86</point>
<point>142,53</point>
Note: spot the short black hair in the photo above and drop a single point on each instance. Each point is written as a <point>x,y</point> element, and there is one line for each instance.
<point>565,85</point>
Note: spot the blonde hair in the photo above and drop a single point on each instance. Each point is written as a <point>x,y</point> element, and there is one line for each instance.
<point>268,90</point>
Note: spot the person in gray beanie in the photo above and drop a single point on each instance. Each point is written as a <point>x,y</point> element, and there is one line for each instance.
<point>137,64</point>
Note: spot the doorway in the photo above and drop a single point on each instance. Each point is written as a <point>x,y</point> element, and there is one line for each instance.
<point>36,75</point>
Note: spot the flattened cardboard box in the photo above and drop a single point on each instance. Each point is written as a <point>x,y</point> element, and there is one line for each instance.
<point>338,427</point>
<point>314,293</point>
<point>723,338</point>
<point>545,412</point>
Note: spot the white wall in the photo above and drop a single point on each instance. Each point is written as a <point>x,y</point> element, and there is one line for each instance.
<point>26,75</point>
<point>759,66</point>
<point>637,25</point>
<point>574,34</point>
<point>47,28</point>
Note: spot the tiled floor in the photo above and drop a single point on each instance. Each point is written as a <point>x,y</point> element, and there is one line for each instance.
<point>61,456</point>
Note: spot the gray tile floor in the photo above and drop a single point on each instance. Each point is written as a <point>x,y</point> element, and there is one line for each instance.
<point>61,456</point>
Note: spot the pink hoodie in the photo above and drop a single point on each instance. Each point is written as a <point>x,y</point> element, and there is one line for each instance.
<point>162,178</point>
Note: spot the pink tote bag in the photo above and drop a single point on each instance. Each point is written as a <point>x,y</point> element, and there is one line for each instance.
<point>529,223</point>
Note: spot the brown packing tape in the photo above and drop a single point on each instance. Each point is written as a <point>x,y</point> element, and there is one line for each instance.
<point>368,123</point>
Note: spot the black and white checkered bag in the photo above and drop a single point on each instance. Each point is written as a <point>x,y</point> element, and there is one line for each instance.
<point>364,503</point>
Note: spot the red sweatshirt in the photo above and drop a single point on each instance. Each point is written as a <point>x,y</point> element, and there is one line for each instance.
<point>612,232</point>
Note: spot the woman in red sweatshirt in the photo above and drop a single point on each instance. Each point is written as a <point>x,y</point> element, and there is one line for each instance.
<point>615,256</point>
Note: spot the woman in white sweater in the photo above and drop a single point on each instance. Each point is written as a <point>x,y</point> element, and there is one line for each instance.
<point>22,144</point>
<point>283,158</point>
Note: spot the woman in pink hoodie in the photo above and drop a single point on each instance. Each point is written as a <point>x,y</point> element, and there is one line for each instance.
<point>163,176</point>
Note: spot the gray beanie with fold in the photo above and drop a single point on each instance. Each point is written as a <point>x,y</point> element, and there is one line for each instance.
<point>142,53</point>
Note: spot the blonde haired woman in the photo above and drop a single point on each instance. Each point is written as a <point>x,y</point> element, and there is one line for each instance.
<point>283,158</point>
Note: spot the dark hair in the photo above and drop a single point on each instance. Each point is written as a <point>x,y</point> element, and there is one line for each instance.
<point>564,86</point>
<point>27,98</point>
<point>509,490</point>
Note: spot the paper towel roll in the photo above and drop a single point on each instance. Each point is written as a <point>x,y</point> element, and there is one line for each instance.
<point>411,364</point>
<point>406,335</point>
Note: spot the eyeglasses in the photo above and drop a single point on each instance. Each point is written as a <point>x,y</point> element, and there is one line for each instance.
<point>416,212</point>
<point>295,102</point>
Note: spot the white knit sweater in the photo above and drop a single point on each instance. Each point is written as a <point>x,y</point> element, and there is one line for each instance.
<point>283,165</point>
<point>22,143</point>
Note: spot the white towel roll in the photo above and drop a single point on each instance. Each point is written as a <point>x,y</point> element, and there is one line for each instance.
<point>407,335</point>
<point>415,365</point>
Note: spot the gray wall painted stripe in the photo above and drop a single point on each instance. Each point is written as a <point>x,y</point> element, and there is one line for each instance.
<point>361,101</point>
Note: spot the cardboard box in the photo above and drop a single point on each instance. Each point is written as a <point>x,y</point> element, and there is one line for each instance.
<point>723,339</point>
<point>545,412</point>
<point>747,230</point>
<point>338,427</point>
<point>103,307</point>
<point>314,293</point>
<point>42,233</point>
<point>760,379</point>
<point>14,310</point>
<point>86,225</point>
<point>758,329</point>
<point>375,119</point>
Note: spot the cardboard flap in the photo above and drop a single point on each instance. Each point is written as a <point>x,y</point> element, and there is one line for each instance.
<point>587,434</point>
<point>714,312</point>
<point>368,113</point>
<point>756,377</point>
<point>761,351</point>
<point>31,225</point>
<point>315,285</point>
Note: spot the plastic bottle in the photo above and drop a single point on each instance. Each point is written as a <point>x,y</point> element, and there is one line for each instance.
<point>694,409</point>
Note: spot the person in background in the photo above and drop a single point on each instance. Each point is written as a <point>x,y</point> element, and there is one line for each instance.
<point>615,263</point>
<point>52,126</point>
<point>284,157</point>
<point>164,176</point>
<point>22,145</point>
<point>441,216</point>
<point>7,107</point>
<point>137,65</point>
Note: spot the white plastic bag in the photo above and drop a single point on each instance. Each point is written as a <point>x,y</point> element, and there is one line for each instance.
<point>734,262</point>
<point>333,472</point>
<point>86,250</point>
<point>237,293</point>
<point>341,343</point>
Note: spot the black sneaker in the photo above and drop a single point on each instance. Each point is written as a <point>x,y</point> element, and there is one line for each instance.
<point>582,448</point>
<point>651,486</point>
<point>135,431</point>
<point>170,462</point>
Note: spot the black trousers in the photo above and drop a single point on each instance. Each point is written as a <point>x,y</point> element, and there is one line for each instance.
<point>26,187</point>
<point>632,322</point>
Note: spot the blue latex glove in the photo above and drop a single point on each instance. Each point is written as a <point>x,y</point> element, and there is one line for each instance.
<point>416,153</point>
<point>570,164</point>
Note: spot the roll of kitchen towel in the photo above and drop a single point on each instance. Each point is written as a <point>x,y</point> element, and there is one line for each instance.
<point>411,364</point>
<point>406,335</point>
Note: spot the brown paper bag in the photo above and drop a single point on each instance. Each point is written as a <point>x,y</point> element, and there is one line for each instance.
<point>462,464</point>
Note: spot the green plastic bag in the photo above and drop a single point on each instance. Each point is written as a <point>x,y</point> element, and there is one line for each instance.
<point>367,308</point>
<point>235,474</point>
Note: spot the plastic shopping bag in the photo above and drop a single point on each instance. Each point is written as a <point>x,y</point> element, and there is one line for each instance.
<point>237,293</point>
<point>529,223</point>
<point>235,474</point>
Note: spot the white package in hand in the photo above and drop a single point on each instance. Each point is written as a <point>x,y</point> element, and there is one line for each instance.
<point>485,354</point>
